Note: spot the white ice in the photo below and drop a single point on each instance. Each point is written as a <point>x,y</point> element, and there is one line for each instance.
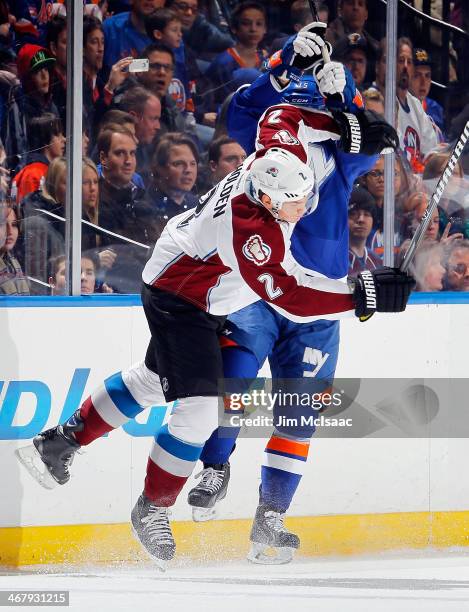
<point>434,582</point>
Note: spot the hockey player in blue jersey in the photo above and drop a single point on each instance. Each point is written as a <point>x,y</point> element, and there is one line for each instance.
<point>320,244</point>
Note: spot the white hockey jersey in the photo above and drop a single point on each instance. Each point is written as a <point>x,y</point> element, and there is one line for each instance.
<point>230,252</point>
<point>417,132</point>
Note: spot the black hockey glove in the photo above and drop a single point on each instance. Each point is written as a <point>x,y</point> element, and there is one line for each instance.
<point>366,132</point>
<point>383,290</point>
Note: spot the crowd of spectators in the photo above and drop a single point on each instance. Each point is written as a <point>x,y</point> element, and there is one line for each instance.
<point>150,147</point>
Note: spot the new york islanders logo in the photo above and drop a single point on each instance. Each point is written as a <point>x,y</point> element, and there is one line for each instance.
<point>256,250</point>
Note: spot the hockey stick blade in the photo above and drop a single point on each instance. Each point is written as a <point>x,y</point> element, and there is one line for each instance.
<point>436,197</point>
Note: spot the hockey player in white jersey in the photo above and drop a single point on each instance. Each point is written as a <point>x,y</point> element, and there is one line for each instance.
<point>230,251</point>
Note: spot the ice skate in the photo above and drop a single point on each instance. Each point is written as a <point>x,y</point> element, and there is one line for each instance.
<point>51,453</point>
<point>268,532</point>
<point>211,489</point>
<point>150,526</point>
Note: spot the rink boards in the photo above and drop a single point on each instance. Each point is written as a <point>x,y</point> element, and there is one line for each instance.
<point>358,495</point>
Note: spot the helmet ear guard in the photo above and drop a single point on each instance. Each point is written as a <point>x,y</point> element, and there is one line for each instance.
<point>283,177</point>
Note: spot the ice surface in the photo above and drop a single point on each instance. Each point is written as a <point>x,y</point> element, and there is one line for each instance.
<point>434,582</point>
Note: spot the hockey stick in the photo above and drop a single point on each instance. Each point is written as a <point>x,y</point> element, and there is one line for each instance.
<point>436,197</point>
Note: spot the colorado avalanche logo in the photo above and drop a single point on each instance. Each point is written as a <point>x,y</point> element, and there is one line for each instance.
<point>256,250</point>
<point>286,138</point>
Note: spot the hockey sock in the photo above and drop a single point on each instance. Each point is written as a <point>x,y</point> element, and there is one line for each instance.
<point>177,447</point>
<point>107,408</point>
<point>282,468</point>
<point>238,363</point>
<point>170,464</point>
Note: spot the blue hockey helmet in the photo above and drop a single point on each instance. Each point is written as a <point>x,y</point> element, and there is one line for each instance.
<point>304,92</point>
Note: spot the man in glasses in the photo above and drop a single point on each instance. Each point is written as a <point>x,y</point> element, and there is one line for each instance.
<point>157,80</point>
<point>457,267</point>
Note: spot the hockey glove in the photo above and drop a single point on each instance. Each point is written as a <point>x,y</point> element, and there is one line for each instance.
<point>366,132</point>
<point>331,80</point>
<point>300,52</point>
<point>383,290</point>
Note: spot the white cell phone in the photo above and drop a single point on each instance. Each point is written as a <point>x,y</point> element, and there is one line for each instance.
<point>139,65</point>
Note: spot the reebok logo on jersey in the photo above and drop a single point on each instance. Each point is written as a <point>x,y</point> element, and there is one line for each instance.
<point>286,138</point>
<point>370,288</point>
<point>256,250</point>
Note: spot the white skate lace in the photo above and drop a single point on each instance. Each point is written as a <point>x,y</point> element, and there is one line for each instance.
<point>275,520</point>
<point>212,480</point>
<point>157,524</point>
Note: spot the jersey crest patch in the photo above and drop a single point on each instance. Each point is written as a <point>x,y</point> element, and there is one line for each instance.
<point>256,250</point>
<point>286,138</point>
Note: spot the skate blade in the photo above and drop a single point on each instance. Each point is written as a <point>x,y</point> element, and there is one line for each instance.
<point>265,555</point>
<point>31,459</point>
<point>161,564</point>
<point>200,515</point>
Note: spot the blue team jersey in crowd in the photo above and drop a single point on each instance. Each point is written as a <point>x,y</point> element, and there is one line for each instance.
<point>320,240</point>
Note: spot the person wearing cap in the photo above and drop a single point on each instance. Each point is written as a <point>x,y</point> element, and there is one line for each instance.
<point>31,98</point>
<point>361,215</point>
<point>421,84</point>
<point>354,51</point>
<point>34,66</point>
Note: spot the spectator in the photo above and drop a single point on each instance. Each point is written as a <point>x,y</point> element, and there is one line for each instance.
<point>12,279</point>
<point>91,238</point>
<point>93,84</point>
<point>157,80</point>
<point>224,156</point>
<point>360,220</point>
<point>427,268</point>
<point>248,24</point>
<point>31,98</point>
<point>354,51</point>
<point>47,142</point>
<point>89,275</point>
<point>43,226</point>
<point>421,85</point>
<point>165,26</point>
<point>352,16</point>
<point>374,100</point>
<point>174,176</point>
<point>201,36</point>
<point>457,267</point>
<point>417,133</point>
<point>122,210</point>
<point>189,88</point>
<point>300,16</point>
<point>34,70</point>
<point>125,33</point>
<point>145,107</point>
<point>415,207</point>
<point>373,182</point>
<point>452,204</point>
<point>119,117</point>
<point>57,45</point>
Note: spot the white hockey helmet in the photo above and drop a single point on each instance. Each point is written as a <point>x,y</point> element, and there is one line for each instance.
<point>283,177</point>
